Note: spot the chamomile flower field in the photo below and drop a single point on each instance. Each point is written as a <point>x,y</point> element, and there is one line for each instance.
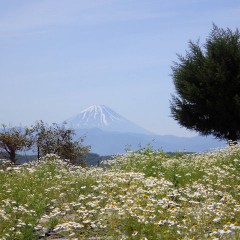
<point>141,195</point>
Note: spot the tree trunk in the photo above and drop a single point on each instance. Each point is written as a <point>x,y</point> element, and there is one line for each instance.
<point>38,152</point>
<point>12,156</point>
<point>232,139</point>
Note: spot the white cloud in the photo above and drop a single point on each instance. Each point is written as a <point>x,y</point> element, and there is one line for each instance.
<point>48,13</point>
<point>36,15</point>
<point>31,16</point>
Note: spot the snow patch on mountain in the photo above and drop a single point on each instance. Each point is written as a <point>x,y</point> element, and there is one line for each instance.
<point>104,118</point>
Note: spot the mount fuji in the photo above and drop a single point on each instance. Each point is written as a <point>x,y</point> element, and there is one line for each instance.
<point>109,133</point>
<point>104,118</point>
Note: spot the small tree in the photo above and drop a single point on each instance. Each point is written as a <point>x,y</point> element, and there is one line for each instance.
<point>207,82</point>
<point>58,140</point>
<point>14,139</point>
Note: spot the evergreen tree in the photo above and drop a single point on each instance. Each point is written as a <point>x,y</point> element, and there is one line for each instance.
<point>207,82</point>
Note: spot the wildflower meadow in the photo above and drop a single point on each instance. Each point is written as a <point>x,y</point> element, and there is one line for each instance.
<point>140,195</point>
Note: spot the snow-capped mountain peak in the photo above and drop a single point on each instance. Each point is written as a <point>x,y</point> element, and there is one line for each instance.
<point>104,118</point>
<point>101,113</point>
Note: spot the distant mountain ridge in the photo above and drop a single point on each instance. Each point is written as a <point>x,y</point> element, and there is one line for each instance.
<point>109,143</point>
<point>104,118</point>
<point>109,133</point>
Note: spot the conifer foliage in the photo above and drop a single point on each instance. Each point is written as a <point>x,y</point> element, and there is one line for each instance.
<point>207,82</point>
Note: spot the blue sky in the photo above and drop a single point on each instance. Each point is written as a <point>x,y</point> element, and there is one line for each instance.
<point>59,57</point>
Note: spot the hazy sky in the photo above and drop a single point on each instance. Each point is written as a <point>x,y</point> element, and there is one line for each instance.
<point>59,57</point>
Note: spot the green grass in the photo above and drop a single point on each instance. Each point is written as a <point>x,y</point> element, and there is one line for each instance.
<point>142,195</point>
